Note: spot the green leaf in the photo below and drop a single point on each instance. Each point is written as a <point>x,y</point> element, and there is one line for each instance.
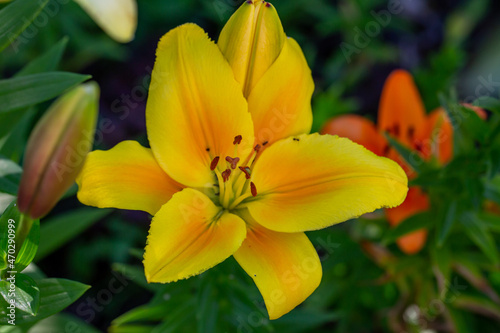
<point>57,231</point>
<point>145,313</point>
<point>8,225</point>
<point>32,89</point>
<point>413,223</point>
<point>24,293</point>
<point>445,224</point>
<point>479,234</point>
<point>29,247</point>
<point>10,175</point>
<point>16,17</point>
<point>46,62</point>
<point>63,322</point>
<point>477,304</point>
<point>488,103</point>
<point>55,296</point>
<point>491,221</point>
<point>414,160</point>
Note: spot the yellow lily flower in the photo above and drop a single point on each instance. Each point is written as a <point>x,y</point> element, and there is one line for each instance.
<point>212,188</point>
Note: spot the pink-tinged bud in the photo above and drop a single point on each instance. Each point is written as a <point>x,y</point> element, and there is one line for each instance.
<point>57,149</point>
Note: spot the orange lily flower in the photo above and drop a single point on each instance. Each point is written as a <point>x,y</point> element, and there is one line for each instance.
<point>213,190</point>
<point>402,115</point>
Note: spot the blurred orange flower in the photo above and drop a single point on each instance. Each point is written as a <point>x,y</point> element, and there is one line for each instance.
<point>402,115</point>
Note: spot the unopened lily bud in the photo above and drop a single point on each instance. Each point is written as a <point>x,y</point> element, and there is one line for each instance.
<point>251,41</point>
<point>57,149</point>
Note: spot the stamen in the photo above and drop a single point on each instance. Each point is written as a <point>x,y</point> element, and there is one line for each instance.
<point>387,149</point>
<point>296,139</point>
<point>253,189</point>
<point>256,148</point>
<point>265,143</point>
<point>419,146</point>
<point>214,163</point>
<point>237,140</point>
<point>225,174</point>
<point>250,2</point>
<point>411,132</point>
<point>233,161</point>
<point>396,130</point>
<point>246,170</point>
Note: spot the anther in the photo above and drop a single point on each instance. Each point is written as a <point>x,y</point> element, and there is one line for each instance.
<point>253,189</point>
<point>387,149</point>
<point>256,148</point>
<point>237,140</point>
<point>225,174</point>
<point>265,143</point>
<point>233,161</point>
<point>396,129</point>
<point>246,171</point>
<point>250,2</point>
<point>214,163</point>
<point>411,132</point>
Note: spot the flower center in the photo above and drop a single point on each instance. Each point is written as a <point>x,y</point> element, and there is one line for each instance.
<point>234,177</point>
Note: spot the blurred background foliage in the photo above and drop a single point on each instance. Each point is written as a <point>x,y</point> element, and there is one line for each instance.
<point>368,284</point>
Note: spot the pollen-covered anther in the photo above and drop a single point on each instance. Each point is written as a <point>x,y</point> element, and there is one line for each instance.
<point>214,163</point>
<point>237,140</point>
<point>233,161</point>
<point>253,189</point>
<point>225,174</point>
<point>246,170</point>
<point>256,148</point>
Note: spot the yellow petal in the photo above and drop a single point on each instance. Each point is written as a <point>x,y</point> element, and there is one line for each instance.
<point>126,177</point>
<point>285,267</point>
<point>118,18</point>
<point>195,107</point>
<point>280,103</point>
<point>314,181</point>
<point>189,235</point>
<point>251,41</point>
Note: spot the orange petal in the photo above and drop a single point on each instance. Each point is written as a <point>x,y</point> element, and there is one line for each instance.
<point>401,110</point>
<point>415,202</point>
<point>285,267</point>
<point>358,129</point>
<point>438,136</point>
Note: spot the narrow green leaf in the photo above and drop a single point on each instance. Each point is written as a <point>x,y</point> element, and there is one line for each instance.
<point>23,291</point>
<point>480,235</point>
<point>478,304</point>
<point>491,221</point>
<point>29,247</point>
<point>145,313</point>
<point>32,89</point>
<point>488,103</point>
<point>445,224</point>
<point>55,296</point>
<point>413,223</point>
<point>8,225</point>
<point>47,62</point>
<point>16,17</point>
<point>57,231</point>
<point>63,322</point>
<point>413,158</point>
